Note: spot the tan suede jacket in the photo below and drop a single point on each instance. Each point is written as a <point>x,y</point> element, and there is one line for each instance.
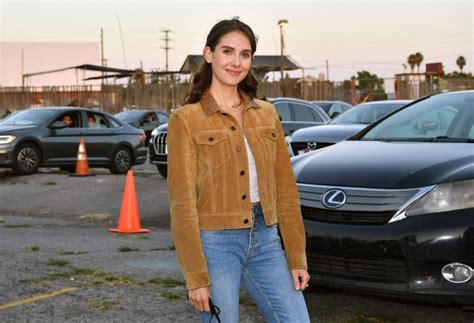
<point>208,180</point>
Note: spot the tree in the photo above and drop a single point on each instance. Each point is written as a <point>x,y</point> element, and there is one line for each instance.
<point>461,62</point>
<point>418,59</point>
<point>411,60</point>
<point>367,80</point>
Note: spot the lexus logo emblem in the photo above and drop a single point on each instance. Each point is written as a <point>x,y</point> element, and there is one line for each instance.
<point>311,145</point>
<point>333,199</point>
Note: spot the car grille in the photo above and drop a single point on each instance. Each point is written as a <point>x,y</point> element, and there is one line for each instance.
<point>350,267</point>
<point>159,143</point>
<point>347,217</point>
<point>362,205</point>
<point>297,146</point>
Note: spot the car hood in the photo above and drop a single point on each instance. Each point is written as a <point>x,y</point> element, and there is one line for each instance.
<point>386,164</point>
<point>163,127</point>
<point>327,133</point>
<point>6,130</point>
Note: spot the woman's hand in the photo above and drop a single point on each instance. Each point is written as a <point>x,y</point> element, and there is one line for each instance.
<point>199,298</point>
<point>300,279</point>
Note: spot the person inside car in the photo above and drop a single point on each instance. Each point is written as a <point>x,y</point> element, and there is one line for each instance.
<point>68,121</point>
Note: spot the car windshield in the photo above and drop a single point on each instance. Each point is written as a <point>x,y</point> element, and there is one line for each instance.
<point>28,117</point>
<point>128,115</point>
<point>440,118</point>
<point>366,113</point>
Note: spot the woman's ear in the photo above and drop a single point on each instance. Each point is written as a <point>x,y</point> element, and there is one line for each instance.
<point>207,53</point>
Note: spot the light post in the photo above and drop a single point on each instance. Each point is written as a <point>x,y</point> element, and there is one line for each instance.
<point>282,23</point>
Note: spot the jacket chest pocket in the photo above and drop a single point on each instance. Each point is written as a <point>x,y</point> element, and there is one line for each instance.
<point>213,148</point>
<point>269,140</point>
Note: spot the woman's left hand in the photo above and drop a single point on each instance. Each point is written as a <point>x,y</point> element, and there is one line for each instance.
<point>300,279</point>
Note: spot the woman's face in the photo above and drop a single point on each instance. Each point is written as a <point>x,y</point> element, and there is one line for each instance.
<point>231,59</point>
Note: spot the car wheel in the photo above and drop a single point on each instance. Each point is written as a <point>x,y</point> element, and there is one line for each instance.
<point>163,170</point>
<point>26,160</point>
<point>121,161</point>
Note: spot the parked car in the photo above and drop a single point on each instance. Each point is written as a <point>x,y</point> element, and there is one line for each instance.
<point>333,108</point>
<point>158,149</point>
<point>49,137</point>
<point>296,114</point>
<point>147,120</point>
<point>391,210</point>
<point>342,127</point>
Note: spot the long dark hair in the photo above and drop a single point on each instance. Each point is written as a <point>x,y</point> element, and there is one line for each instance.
<point>201,80</point>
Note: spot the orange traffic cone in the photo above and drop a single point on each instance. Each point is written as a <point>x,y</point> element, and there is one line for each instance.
<point>82,166</point>
<point>129,221</point>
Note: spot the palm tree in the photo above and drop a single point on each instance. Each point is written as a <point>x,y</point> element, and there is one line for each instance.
<point>461,62</point>
<point>411,60</point>
<point>418,59</point>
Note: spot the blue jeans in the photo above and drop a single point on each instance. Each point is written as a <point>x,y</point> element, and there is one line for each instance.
<point>254,258</point>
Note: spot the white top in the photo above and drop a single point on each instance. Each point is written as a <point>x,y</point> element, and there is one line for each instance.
<point>254,196</point>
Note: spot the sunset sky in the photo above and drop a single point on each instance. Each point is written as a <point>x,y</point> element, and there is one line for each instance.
<point>352,35</point>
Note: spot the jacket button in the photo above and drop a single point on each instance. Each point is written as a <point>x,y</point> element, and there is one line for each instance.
<point>233,128</point>
<point>242,173</point>
<point>244,197</point>
<point>274,134</point>
<point>246,221</point>
<point>211,138</point>
<point>238,148</point>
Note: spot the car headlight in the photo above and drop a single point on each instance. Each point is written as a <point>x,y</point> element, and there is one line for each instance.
<point>7,139</point>
<point>445,197</point>
<point>154,132</point>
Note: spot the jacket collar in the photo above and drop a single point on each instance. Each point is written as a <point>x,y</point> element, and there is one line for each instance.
<point>210,106</point>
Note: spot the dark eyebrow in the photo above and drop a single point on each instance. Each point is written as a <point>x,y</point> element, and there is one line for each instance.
<point>232,48</point>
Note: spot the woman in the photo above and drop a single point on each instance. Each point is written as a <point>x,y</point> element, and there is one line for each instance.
<point>230,185</point>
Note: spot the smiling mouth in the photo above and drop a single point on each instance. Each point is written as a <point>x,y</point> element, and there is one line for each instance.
<point>233,72</point>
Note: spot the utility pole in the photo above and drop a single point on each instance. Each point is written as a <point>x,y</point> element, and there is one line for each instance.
<point>102,59</point>
<point>170,103</point>
<point>327,70</point>
<point>166,48</point>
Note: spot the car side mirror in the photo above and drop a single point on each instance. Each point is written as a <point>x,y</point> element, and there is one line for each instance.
<point>58,125</point>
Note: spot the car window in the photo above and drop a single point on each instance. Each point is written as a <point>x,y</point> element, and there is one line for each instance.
<point>72,119</point>
<point>302,112</point>
<point>95,120</point>
<point>150,118</point>
<point>162,118</point>
<point>366,114</point>
<point>28,117</point>
<point>438,116</point>
<point>283,110</point>
<point>323,105</point>
<point>113,123</point>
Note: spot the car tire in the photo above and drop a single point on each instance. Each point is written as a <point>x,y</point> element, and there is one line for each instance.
<point>163,170</point>
<point>121,161</point>
<point>26,159</point>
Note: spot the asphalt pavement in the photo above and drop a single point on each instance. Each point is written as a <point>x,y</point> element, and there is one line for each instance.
<point>59,263</point>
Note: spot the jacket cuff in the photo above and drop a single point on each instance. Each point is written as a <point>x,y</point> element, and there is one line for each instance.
<point>197,279</point>
<point>297,261</point>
